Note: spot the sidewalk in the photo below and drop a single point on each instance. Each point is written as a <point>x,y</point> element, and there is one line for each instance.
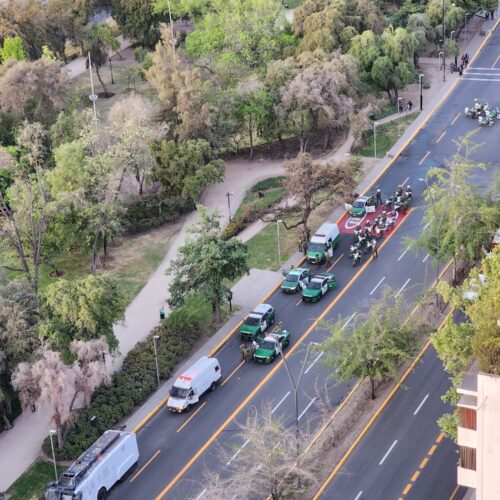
<point>20,446</point>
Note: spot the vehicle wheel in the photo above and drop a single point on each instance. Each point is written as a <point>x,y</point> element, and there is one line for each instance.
<point>102,493</point>
<point>213,386</point>
<point>271,321</point>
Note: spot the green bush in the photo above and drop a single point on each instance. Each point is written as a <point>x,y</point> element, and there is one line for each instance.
<point>233,228</point>
<point>271,183</point>
<point>136,380</point>
<point>146,212</point>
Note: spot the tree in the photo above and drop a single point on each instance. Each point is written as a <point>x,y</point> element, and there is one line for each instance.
<point>83,309</point>
<point>454,15</point>
<point>12,49</point>
<point>23,207</point>
<point>138,20</point>
<point>312,184</point>
<point>372,346</point>
<point>98,40</point>
<point>320,98</point>
<point>206,263</point>
<point>33,90</point>
<point>182,9</point>
<point>267,463</point>
<point>185,168</point>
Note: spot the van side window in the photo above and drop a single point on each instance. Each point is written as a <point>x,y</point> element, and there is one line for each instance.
<point>216,368</point>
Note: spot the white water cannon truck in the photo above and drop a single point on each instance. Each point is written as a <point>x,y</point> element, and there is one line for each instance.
<point>98,469</point>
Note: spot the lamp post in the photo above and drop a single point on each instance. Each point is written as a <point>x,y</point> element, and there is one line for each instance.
<point>420,81</point>
<point>295,388</point>
<point>278,222</point>
<point>155,338</point>
<point>53,432</point>
<point>444,39</point>
<point>466,15</point>
<point>228,196</point>
<point>111,70</point>
<point>375,139</point>
<point>451,35</point>
<point>441,55</point>
<point>92,96</point>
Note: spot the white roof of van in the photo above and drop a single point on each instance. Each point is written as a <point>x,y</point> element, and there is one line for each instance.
<point>198,367</point>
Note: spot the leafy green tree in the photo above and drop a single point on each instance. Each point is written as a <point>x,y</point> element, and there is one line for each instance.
<point>454,15</point>
<point>185,168</point>
<point>12,49</point>
<point>98,40</point>
<point>372,346</point>
<point>206,264</point>
<point>82,309</point>
<point>182,9</point>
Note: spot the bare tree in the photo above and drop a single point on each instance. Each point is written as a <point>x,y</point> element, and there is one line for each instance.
<point>266,465</point>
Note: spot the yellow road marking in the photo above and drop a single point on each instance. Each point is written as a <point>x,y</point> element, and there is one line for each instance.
<point>440,437</point>
<point>233,372</point>
<point>276,367</point>
<point>432,450</point>
<point>423,463</point>
<point>376,414</point>
<point>440,137</point>
<point>334,264</point>
<point>134,477</point>
<point>454,492</point>
<point>496,60</point>
<point>415,476</point>
<point>407,489</point>
<point>191,417</point>
<point>455,119</point>
<point>425,156</point>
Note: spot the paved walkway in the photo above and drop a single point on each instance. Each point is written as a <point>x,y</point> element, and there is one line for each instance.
<point>20,446</point>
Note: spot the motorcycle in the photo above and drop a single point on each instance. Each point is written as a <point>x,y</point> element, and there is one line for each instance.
<point>485,120</point>
<point>356,258</point>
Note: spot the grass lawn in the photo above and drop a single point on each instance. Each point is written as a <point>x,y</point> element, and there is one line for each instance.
<point>387,135</point>
<point>273,192</point>
<point>131,263</point>
<point>33,482</point>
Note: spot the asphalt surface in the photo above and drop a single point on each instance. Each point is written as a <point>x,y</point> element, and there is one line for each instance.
<point>174,459</point>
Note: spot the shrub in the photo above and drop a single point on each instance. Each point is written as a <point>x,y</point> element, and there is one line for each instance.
<point>146,212</point>
<point>136,380</point>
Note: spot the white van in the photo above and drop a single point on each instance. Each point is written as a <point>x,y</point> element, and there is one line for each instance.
<point>323,243</point>
<point>97,470</point>
<point>193,383</point>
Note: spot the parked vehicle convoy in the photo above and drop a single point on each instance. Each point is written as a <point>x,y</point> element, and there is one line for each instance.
<point>257,322</point>
<point>193,383</point>
<point>323,243</point>
<point>362,206</point>
<point>98,469</point>
<point>319,285</point>
<point>268,350</point>
<point>296,279</point>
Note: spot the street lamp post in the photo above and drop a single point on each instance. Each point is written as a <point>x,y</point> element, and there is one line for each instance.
<point>92,96</point>
<point>155,338</point>
<point>444,40</point>
<point>375,139</point>
<point>420,81</point>
<point>53,432</point>
<point>278,222</point>
<point>228,196</point>
<point>466,15</point>
<point>441,55</point>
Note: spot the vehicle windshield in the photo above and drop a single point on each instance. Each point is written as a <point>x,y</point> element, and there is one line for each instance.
<point>268,345</point>
<point>178,392</point>
<point>358,204</point>
<point>252,321</point>
<point>316,247</point>
<point>315,285</point>
<point>292,277</point>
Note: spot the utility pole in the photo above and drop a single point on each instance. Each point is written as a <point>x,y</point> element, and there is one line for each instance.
<point>228,196</point>
<point>444,40</point>
<point>92,96</point>
<point>420,80</point>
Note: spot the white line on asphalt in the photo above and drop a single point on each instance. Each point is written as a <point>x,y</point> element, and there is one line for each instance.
<point>403,287</point>
<point>426,226</point>
<point>388,451</point>
<point>403,254</point>
<point>426,257</point>
<point>307,408</point>
<point>314,362</point>
<point>358,496</point>
<point>238,452</point>
<point>421,404</point>
<point>348,321</point>
<point>479,74</point>
<point>490,69</point>
<point>201,494</point>
<point>482,79</point>
<point>377,285</point>
<point>278,405</point>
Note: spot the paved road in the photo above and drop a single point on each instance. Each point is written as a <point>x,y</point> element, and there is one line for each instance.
<point>419,462</point>
<point>174,458</point>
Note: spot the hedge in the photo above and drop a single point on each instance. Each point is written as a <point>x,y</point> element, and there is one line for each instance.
<point>136,380</point>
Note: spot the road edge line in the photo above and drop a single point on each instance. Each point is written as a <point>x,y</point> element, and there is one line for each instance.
<point>380,409</point>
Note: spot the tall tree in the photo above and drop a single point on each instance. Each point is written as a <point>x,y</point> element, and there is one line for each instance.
<point>372,346</point>
<point>207,263</point>
<point>99,39</point>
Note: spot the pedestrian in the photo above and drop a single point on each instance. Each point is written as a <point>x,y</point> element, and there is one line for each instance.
<point>410,105</point>
<point>487,16</point>
<point>374,249</point>
<point>230,300</point>
<point>492,12</point>
<point>400,106</point>
<point>460,70</point>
